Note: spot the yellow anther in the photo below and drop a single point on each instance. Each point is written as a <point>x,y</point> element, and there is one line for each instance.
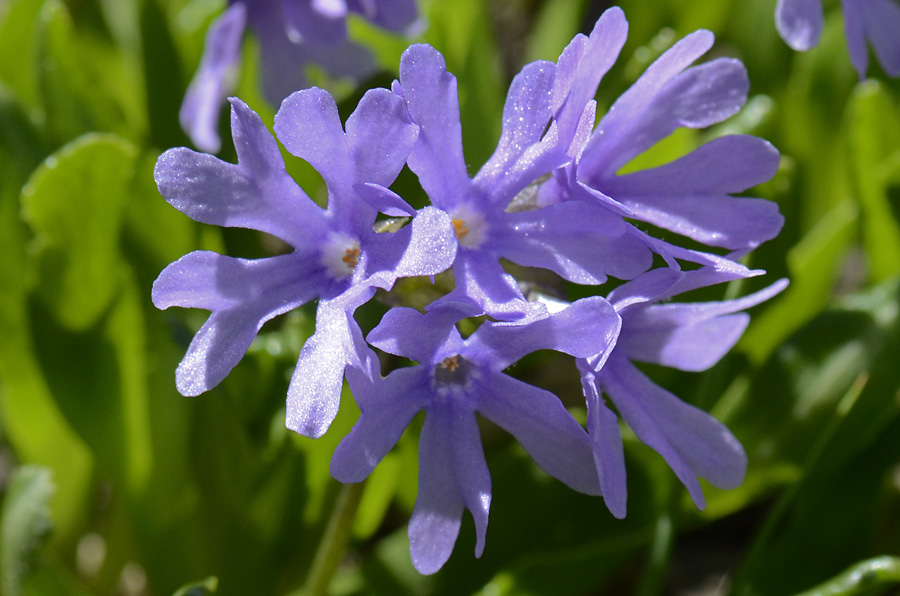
<point>459,226</point>
<point>351,257</point>
<point>451,363</point>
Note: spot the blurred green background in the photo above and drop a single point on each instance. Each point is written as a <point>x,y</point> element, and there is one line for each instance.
<point>112,483</point>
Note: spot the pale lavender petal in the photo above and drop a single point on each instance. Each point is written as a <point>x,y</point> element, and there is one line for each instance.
<point>690,196</point>
<point>882,19</point>
<point>315,22</point>
<point>728,164</point>
<point>449,444</point>
<point>214,80</point>
<point>394,15</point>
<point>383,200</point>
<point>309,127</point>
<point>543,426</point>
<point>282,61</point>
<point>579,241</point>
<point>586,327</point>
<point>483,287</point>
<point>614,142</point>
<point>380,136</point>
<point>346,60</point>
<point>691,441</point>
<point>427,246</point>
<point>609,453</point>
<point>581,67</point>
<point>647,287</point>
<point>526,115</point>
<point>430,94</point>
<point>698,97</point>
<point>855,32</point>
<point>470,467</point>
<point>689,336</point>
<point>691,346</point>
<point>257,193</point>
<point>242,295</point>
<point>314,394</point>
<point>386,407</point>
<point>407,332</point>
<point>671,252</point>
<point>800,22</point>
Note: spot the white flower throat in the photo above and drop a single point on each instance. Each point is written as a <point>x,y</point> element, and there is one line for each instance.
<point>469,226</point>
<point>340,255</point>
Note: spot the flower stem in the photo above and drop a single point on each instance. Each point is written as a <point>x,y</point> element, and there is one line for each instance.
<point>334,540</point>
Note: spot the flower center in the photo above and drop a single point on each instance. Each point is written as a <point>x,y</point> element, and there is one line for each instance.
<point>340,255</point>
<point>469,226</point>
<point>453,377</point>
<point>450,364</point>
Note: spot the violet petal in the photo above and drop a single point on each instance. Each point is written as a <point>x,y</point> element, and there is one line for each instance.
<point>214,79</point>
<point>691,441</point>
<point>800,22</point>
<point>541,424</point>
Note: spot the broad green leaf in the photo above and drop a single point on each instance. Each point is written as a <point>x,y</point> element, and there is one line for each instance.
<point>85,85</point>
<point>25,524</point>
<point>201,588</point>
<point>74,203</point>
<point>21,145</point>
<point>32,423</point>
<point>18,38</point>
<point>874,146</point>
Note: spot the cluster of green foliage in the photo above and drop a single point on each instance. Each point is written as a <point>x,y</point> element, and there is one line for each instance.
<point>112,483</point>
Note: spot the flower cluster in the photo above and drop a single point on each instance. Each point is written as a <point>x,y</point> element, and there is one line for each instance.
<point>550,197</point>
<point>800,23</point>
<point>291,33</point>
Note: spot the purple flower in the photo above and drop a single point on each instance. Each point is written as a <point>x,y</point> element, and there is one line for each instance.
<point>686,336</point>
<point>291,33</point>
<point>692,195</point>
<point>454,379</point>
<point>580,241</point>
<point>799,22</point>
<point>337,258</point>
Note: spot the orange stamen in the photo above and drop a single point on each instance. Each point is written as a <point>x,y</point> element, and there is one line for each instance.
<point>351,257</point>
<point>459,226</point>
<point>451,363</point>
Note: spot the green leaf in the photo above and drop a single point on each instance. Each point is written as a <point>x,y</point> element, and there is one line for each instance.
<point>32,422</point>
<point>874,131</point>
<point>18,38</point>
<point>74,203</point>
<point>85,84</point>
<point>553,29</point>
<point>25,524</point>
<point>862,578</point>
<point>827,403</point>
<point>201,588</point>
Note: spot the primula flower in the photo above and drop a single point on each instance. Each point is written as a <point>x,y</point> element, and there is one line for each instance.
<point>291,33</point>
<point>692,195</point>
<point>454,379</point>
<point>581,242</point>
<point>800,22</point>
<point>337,258</point>
<point>685,336</point>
